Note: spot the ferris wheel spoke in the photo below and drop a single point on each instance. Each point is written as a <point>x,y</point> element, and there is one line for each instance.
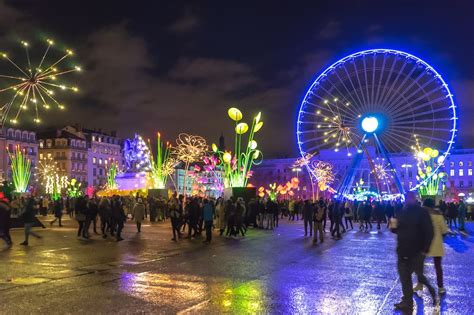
<point>424,136</point>
<point>387,94</point>
<point>400,144</point>
<point>382,72</point>
<point>346,101</point>
<point>396,93</point>
<point>380,100</point>
<point>373,80</point>
<point>409,105</point>
<point>400,95</point>
<point>352,84</point>
<point>364,104</point>
<point>407,122</point>
<point>409,113</point>
<point>369,101</point>
<point>399,102</point>
<point>354,101</point>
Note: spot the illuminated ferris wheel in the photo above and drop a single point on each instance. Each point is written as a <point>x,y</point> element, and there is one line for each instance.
<point>383,98</point>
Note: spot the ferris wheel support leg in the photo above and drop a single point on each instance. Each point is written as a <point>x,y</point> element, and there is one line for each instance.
<point>346,184</point>
<point>392,166</point>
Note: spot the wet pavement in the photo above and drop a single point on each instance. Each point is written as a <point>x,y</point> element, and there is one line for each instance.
<point>267,272</point>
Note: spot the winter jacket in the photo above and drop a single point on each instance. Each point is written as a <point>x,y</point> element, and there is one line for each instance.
<point>207,212</point>
<point>414,231</point>
<point>139,212</point>
<point>439,229</point>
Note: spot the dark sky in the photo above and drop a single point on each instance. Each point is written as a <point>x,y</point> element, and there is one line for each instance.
<point>176,66</point>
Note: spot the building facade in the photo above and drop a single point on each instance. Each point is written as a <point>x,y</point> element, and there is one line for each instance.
<point>68,148</point>
<point>104,149</point>
<point>9,139</point>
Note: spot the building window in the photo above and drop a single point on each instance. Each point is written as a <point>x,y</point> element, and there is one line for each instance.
<point>100,171</point>
<point>94,171</point>
<point>451,164</point>
<point>100,162</point>
<point>451,173</point>
<point>63,165</point>
<point>461,184</point>
<point>469,171</point>
<point>41,144</point>
<point>105,161</point>
<point>49,155</point>
<point>469,163</point>
<point>94,160</point>
<point>461,172</point>
<point>470,183</point>
<point>93,138</point>
<point>461,163</point>
<point>63,154</point>
<point>41,156</point>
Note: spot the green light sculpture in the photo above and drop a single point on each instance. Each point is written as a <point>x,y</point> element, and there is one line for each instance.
<point>21,169</point>
<point>427,161</point>
<point>164,165</point>
<point>111,174</point>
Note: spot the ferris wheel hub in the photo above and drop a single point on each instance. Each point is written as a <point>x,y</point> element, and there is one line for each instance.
<point>370,124</point>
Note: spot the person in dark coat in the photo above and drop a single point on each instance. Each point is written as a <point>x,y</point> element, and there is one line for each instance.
<point>119,217</point>
<point>58,212</point>
<point>308,217</point>
<point>105,214</point>
<point>414,230</point>
<point>81,210</point>
<point>28,218</point>
<point>5,212</point>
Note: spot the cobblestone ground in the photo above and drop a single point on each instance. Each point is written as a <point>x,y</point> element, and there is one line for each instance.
<point>276,272</point>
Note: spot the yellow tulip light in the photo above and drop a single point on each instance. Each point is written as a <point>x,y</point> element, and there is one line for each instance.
<point>235,114</point>
<point>427,151</point>
<point>434,153</point>
<point>214,148</point>
<point>241,128</point>
<point>258,126</point>
<point>256,154</point>
<point>227,157</point>
<point>253,144</point>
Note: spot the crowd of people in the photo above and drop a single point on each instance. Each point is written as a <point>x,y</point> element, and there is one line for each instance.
<point>191,216</point>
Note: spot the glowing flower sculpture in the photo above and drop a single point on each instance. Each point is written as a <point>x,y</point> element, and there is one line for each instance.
<point>428,160</point>
<point>74,188</point>
<point>35,84</point>
<point>164,166</point>
<point>21,169</point>
<point>324,173</point>
<point>51,179</point>
<point>237,166</point>
<point>275,190</point>
<point>189,149</point>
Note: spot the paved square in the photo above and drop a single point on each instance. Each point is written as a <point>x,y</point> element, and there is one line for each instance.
<point>277,272</point>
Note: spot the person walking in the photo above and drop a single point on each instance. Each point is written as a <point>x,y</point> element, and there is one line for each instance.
<point>414,231</point>
<point>58,212</point>
<point>452,215</point>
<point>119,216</point>
<point>220,212</point>
<point>308,217</point>
<point>80,211</point>
<point>139,214</point>
<point>437,247</point>
<point>207,216</point>
<point>318,219</point>
<point>348,213</point>
<point>175,215</point>
<point>105,214</point>
<point>336,220</point>
<point>5,212</point>
<point>28,217</point>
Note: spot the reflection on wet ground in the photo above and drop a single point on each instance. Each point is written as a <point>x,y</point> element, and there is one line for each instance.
<point>277,272</point>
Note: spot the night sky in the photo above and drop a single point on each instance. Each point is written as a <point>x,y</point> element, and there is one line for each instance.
<point>177,66</point>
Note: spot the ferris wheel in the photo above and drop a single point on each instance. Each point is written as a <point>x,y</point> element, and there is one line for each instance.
<point>383,98</point>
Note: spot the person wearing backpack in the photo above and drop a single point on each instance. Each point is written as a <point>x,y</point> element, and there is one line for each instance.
<point>318,219</point>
